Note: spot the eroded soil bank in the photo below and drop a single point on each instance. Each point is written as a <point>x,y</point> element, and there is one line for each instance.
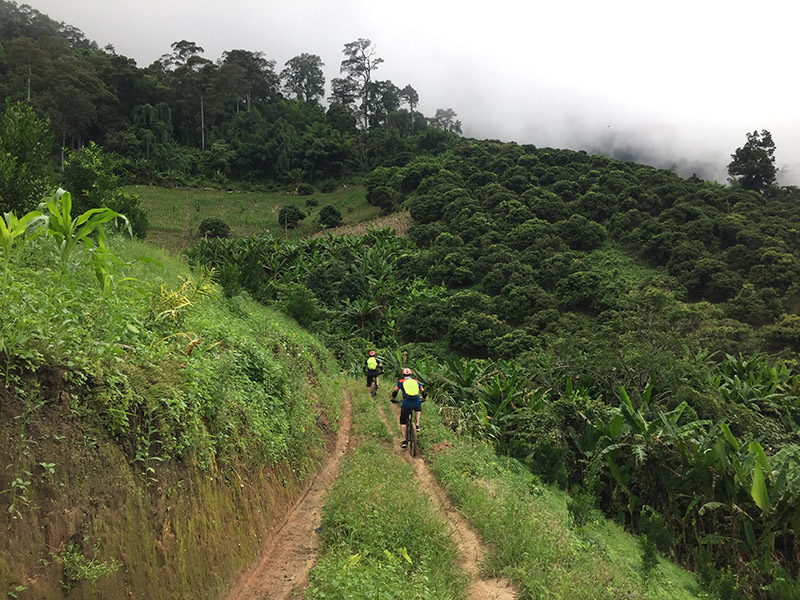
<point>75,507</point>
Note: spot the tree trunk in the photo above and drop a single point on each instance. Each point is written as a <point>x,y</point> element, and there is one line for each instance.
<point>202,122</point>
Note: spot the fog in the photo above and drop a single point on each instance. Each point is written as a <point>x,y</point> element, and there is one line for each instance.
<point>676,85</point>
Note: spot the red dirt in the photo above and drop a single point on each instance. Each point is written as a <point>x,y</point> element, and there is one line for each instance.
<point>289,553</point>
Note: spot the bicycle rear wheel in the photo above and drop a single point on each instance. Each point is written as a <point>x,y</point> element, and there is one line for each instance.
<point>412,437</point>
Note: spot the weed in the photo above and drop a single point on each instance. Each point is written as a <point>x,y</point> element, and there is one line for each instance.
<point>78,567</point>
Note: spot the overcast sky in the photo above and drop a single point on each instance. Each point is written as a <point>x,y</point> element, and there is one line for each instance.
<point>674,84</point>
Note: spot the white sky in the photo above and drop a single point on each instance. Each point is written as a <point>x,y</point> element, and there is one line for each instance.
<point>679,83</point>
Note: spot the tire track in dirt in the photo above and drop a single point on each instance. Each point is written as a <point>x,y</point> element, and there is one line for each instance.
<point>290,550</point>
<point>468,542</point>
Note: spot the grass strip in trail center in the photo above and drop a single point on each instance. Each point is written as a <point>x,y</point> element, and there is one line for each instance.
<point>381,537</point>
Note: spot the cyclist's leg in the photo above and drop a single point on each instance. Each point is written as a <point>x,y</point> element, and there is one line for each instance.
<point>405,414</point>
<point>417,413</point>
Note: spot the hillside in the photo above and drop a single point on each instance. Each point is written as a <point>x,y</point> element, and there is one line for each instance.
<point>618,332</point>
<point>153,432</point>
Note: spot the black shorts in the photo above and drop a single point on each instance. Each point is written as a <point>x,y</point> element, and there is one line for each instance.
<point>370,376</point>
<point>406,412</point>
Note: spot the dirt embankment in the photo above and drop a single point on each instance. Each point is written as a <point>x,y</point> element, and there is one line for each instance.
<point>178,532</point>
<point>289,552</point>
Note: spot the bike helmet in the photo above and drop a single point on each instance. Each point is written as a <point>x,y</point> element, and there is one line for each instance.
<point>407,371</point>
<point>372,352</point>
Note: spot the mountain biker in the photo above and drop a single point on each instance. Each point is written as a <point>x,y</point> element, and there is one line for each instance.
<point>373,368</point>
<point>413,396</point>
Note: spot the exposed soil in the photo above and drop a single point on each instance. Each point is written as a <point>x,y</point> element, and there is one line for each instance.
<point>289,552</point>
<point>470,546</point>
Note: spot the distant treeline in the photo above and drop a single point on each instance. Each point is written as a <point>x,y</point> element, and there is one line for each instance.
<point>186,117</point>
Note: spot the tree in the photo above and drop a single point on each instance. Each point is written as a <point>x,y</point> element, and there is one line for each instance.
<point>329,217</point>
<point>358,65</point>
<point>25,170</point>
<point>753,165</point>
<point>251,74</point>
<point>410,96</point>
<point>445,119</point>
<point>303,77</point>
<point>289,216</point>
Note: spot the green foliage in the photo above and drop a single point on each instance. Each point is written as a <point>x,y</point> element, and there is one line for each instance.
<point>290,216</point>
<point>89,175</point>
<point>305,189</point>
<point>753,165</point>
<point>25,171</point>
<point>78,567</point>
<point>213,227</point>
<point>329,217</point>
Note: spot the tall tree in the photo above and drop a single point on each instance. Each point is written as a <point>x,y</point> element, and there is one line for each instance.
<point>303,77</point>
<point>410,96</point>
<point>192,73</point>
<point>252,75</point>
<point>753,165</point>
<point>445,118</point>
<point>359,63</point>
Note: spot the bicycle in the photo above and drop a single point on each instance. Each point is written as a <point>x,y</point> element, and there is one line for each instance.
<point>373,385</point>
<point>411,435</point>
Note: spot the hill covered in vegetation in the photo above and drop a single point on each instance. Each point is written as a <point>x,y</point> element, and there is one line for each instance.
<point>625,333</point>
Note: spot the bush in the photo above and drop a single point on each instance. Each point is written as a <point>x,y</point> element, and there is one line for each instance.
<point>305,189</point>
<point>128,205</point>
<point>327,187</point>
<point>290,215</point>
<point>212,227</point>
<point>311,202</point>
<point>329,216</point>
<point>384,198</point>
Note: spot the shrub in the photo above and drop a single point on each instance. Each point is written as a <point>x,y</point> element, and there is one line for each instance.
<point>128,205</point>
<point>384,198</point>
<point>329,216</point>
<point>212,227</point>
<point>311,202</point>
<point>305,189</point>
<point>327,187</point>
<point>290,216</point>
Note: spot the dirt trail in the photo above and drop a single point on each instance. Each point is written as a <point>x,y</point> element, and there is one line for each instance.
<point>470,546</point>
<point>289,552</point>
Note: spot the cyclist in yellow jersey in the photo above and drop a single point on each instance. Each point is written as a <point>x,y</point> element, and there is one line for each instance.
<point>373,368</point>
<point>413,396</point>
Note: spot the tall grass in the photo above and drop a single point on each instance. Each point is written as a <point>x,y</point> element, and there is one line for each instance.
<point>532,538</point>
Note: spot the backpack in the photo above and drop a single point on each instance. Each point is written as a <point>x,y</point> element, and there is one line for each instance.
<point>372,363</point>
<point>411,388</point>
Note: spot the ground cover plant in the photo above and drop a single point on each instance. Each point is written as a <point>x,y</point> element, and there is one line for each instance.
<point>176,213</point>
<point>381,537</point>
<point>120,370</point>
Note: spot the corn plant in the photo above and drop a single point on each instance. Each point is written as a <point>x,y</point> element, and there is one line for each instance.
<point>11,228</point>
<point>67,231</point>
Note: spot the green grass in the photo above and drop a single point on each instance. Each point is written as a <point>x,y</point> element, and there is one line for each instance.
<point>381,536</point>
<point>176,213</point>
<point>532,539</point>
